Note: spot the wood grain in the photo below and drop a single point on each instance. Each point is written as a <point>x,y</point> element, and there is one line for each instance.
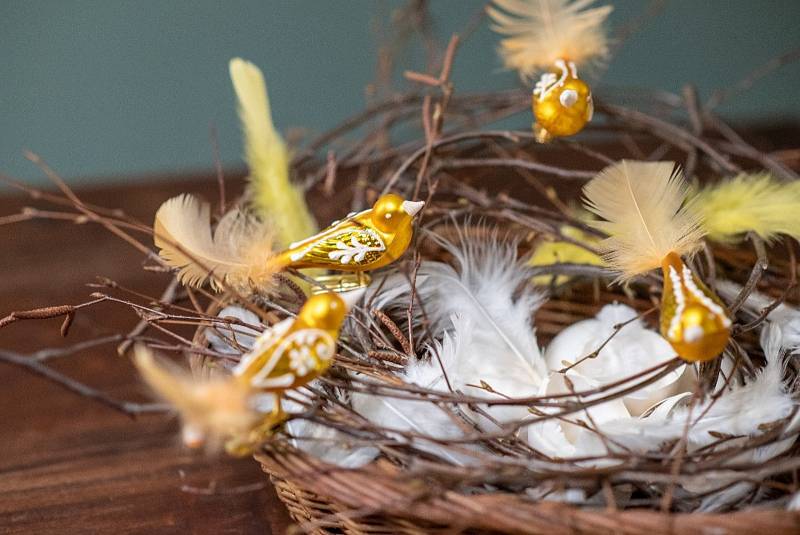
<point>69,465</point>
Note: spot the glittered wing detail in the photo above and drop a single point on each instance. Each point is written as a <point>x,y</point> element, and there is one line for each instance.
<point>302,353</point>
<point>354,246</point>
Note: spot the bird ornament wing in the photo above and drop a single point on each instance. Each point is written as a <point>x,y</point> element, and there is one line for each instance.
<point>349,244</point>
<point>286,358</point>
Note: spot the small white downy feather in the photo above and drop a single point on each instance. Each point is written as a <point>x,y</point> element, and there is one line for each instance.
<point>234,339</point>
<point>541,31</point>
<point>646,215</point>
<point>273,194</point>
<point>785,316</point>
<point>238,252</point>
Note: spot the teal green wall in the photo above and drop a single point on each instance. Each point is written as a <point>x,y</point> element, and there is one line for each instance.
<point>113,88</point>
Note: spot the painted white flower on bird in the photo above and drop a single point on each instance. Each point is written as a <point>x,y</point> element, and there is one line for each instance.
<point>357,250</point>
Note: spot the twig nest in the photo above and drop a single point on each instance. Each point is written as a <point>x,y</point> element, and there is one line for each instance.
<point>633,349</point>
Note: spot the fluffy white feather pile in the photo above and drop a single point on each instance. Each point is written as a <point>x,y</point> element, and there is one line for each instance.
<point>480,316</point>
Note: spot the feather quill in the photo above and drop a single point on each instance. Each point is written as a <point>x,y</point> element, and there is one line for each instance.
<point>238,252</point>
<point>750,203</point>
<point>273,194</point>
<point>541,31</point>
<point>646,216</point>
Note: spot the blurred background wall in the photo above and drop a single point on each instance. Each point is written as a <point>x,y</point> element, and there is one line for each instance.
<point>107,89</point>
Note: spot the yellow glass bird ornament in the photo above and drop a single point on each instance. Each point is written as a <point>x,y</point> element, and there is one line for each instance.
<point>561,103</point>
<point>650,225</point>
<point>693,319</point>
<point>361,242</point>
<point>223,410</point>
<point>291,354</point>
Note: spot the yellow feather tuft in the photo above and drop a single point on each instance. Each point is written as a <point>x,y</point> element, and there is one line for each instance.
<point>273,194</point>
<point>646,217</point>
<point>562,252</point>
<point>542,31</point>
<point>212,410</point>
<point>750,203</point>
<point>239,252</point>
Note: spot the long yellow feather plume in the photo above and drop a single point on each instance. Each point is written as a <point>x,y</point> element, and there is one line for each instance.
<point>238,252</point>
<point>750,202</point>
<point>542,31</point>
<point>213,410</point>
<point>646,216</point>
<point>273,194</point>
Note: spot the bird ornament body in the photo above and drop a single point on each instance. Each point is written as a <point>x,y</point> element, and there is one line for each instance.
<point>361,242</point>
<point>561,103</point>
<point>650,225</point>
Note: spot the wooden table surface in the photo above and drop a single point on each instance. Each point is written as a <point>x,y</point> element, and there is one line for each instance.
<point>70,465</point>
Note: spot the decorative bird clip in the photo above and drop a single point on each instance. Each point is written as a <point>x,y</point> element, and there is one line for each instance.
<point>361,242</point>
<point>650,225</point>
<point>553,37</point>
<point>285,357</point>
<point>238,252</point>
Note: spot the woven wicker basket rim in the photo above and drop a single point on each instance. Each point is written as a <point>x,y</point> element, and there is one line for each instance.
<point>374,488</point>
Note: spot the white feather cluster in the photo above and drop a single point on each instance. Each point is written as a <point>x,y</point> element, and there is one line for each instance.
<point>739,413</point>
<point>480,312</point>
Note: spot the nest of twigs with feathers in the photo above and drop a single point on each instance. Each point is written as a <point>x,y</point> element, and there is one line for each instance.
<point>396,438</point>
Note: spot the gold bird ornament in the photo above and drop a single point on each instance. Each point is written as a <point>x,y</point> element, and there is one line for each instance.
<point>285,357</point>
<point>650,225</point>
<point>553,38</point>
<point>362,241</point>
<point>238,252</point>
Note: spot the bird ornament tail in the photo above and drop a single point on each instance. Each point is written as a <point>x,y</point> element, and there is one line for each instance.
<point>650,225</point>
<point>226,410</point>
<point>553,37</point>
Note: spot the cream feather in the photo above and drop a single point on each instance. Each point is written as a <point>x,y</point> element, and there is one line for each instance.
<point>238,252</point>
<point>750,202</point>
<point>212,410</point>
<point>542,31</point>
<point>646,216</point>
<point>273,194</point>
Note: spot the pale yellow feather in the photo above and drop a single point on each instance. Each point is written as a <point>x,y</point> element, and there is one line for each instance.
<point>238,252</point>
<point>750,203</point>
<point>212,410</point>
<point>550,253</point>
<point>542,31</point>
<point>272,193</point>
<point>646,215</point>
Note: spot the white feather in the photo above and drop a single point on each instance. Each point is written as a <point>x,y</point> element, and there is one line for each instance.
<point>646,217</point>
<point>488,287</point>
<point>784,316</point>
